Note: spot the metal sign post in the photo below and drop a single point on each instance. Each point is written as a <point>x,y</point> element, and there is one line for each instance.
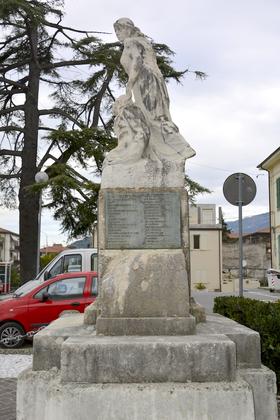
<point>240,189</point>
<point>240,204</point>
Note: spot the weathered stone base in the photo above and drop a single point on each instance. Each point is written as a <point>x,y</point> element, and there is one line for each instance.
<point>42,395</point>
<point>69,358</point>
<point>103,359</point>
<point>146,326</point>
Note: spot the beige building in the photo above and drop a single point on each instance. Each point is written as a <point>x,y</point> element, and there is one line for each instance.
<point>272,165</point>
<point>205,247</point>
<point>9,246</point>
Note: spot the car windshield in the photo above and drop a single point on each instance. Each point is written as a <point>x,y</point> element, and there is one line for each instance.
<point>27,287</point>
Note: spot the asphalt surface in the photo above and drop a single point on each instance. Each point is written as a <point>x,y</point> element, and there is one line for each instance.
<point>206,299</point>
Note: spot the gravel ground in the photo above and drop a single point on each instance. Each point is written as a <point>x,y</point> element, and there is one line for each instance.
<point>12,364</point>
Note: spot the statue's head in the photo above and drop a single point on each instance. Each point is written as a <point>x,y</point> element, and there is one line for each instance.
<point>125,28</point>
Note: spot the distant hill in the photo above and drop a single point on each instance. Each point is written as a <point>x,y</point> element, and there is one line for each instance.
<point>250,224</point>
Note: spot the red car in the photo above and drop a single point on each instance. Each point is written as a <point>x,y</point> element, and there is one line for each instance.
<point>36,304</point>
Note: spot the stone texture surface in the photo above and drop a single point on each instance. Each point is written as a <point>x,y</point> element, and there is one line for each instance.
<point>157,174</point>
<point>248,350</point>
<point>197,310</point>
<point>263,384</point>
<point>144,283</point>
<point>148,359</point>
<point>52,399</point>
<point>91,313</point>
<point>47,343</point>
<point>146,326</point>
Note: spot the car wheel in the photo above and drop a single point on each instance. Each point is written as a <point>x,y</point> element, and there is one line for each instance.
<point>11,335</point>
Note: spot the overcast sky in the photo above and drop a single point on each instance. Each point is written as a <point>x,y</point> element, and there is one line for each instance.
<point>232,118</point>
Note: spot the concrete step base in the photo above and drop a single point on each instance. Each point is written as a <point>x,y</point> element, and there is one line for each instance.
<point>131,359</point>
<point>146,326</point>
<point>193,401</point>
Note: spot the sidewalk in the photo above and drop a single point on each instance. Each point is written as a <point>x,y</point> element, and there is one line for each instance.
<point>10,367</point>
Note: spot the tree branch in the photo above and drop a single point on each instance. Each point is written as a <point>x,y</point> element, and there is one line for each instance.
<point>62,113</point>
<point>8,152</point>
<point>12,128</point>
<point>61,27</point>
<point>10,110</point>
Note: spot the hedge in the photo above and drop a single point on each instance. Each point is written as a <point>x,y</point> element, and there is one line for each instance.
<point>263,317</point>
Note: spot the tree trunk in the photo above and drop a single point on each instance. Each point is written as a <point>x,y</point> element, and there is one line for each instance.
<point>28,200</point>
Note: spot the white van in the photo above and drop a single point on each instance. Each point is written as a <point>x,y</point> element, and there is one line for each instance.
<point>83,259</point>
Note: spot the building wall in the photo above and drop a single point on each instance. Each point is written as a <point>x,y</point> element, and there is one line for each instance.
<point>275,215</point>
<point>256,256</point>
<point>206,262</point>
<point>206,236</point>
<point>9,243</point>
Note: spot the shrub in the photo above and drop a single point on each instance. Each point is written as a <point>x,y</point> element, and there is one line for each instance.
<point>200,286</point>
<point>263,317</point>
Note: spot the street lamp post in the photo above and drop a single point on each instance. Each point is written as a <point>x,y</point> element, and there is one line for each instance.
<point>40,177</point>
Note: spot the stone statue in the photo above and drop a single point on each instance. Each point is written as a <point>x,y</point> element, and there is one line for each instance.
<point>132,131</point>
<point>145,106</point>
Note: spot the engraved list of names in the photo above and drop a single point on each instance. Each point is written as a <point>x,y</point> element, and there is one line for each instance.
<point>142,220</point>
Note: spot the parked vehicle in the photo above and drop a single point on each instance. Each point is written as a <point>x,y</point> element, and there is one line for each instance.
<point>37,303</point>
<point>273,279</point>
<point>70,260</point>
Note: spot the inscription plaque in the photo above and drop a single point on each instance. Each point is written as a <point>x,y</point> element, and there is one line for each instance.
<point>135,220</point>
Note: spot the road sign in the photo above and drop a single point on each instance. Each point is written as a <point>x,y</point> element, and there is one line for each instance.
<point>239,190</point>
<point>231,189</point>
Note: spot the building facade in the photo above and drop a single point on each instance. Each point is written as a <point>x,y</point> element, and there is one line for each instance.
<point>272,165</point>
<point>9,246</point>
<point>205,247</point>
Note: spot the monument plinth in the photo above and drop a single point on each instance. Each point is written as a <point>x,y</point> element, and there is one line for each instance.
<point>147,359</point>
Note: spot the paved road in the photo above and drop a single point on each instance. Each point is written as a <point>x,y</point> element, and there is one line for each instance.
<point>207,298</point>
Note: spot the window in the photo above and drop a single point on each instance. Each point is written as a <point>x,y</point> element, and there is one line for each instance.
<point>64,289</point>
<point>93,262</point>
<point>72,263</point>
<point>67,288</point>
<point>56,269</point>
<point>94,286</point>
<point>196,241</point>
<point>278,193</point>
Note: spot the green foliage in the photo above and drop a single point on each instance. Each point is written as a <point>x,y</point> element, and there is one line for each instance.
<point>15,277</point>
<point>200,286</point>
<point>263,317</point>
<point>225,230</point>
<point>194,188</point>
<point>45,259</point>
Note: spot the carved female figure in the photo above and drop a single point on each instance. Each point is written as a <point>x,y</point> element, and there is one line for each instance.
<point>146,86</point>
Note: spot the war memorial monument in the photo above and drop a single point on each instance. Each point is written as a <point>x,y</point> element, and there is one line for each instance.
<point>141,352</point>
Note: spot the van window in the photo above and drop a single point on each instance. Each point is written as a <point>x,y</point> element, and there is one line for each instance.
<point>93,262</point>
<point>72,263</point>
<point>56,269</point>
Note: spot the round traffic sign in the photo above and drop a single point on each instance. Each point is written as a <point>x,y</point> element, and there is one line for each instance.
<point>245,183</point>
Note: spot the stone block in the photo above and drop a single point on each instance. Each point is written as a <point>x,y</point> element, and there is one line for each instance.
<point>146,326</point>
<point>132,359</point>
<point>91,313</point>
<point>248,348</point>
<point>263,384</point>
<point>52,399</point>
<point>47,343</point>
<point>143,283</point>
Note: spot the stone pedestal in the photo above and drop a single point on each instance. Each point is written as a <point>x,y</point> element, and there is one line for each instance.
<point>215,374</point>
<point>143,242</point>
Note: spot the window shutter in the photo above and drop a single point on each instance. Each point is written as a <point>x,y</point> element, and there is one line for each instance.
<point>278,193</point>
